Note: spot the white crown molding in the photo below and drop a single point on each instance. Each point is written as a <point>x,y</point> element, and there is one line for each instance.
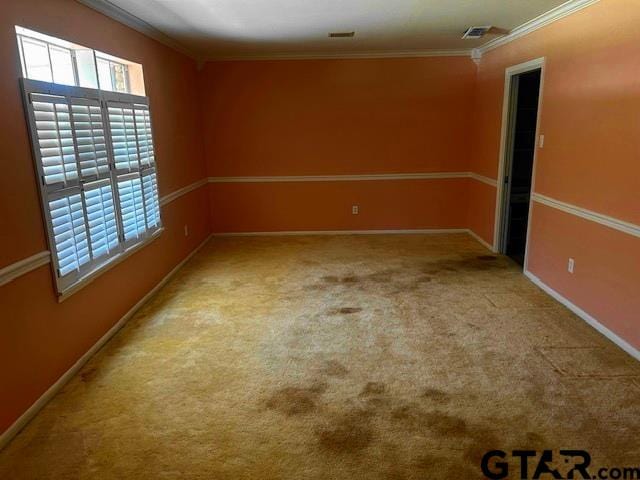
<point>615,338</point>
<point>31,412</point>
<point>561,11</point>
<point>120,15</point>
<point>182,191</point>
<point>607,221</point>
<point>17,269</point>
<point>344,55</point>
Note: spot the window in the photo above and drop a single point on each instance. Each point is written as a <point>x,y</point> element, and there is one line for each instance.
<point>54,60</point>
<point>95,159</point>
<point>112,75</point>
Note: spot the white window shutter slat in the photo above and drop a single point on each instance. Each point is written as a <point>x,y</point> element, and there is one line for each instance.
<point>101,218</point>
<point>131,206</point>
<point>123,138</point>
<point>69,232</point>
<point>143,133</point>
<point>90,139</point>
<point>151,201</point>
<point>55,147</point>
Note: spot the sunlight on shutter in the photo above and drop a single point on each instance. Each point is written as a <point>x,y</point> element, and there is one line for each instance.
<point>131,207</point>
<point>151,203</point>
<point>90,138</point>
<point>143,131</point>
<point>103,230</point>
<point>55,139</point>
<point>123,138</point>
<point>69,233</point>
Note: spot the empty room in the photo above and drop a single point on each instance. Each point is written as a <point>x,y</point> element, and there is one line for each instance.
<point>328,239</point>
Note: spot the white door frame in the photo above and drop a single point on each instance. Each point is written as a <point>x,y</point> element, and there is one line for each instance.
<point>510,72</point>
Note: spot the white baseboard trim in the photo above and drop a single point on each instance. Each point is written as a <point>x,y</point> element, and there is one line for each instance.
<point>342,232</point>
<point>619,341</point>
<point>481,240</point>
<point>418,231</point>
<point>26,417</point>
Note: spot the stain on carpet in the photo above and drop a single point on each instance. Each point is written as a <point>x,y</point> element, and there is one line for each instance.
<point>435,395</point>
<point>296,400</point>
<point>373,388</point>
<point>344,311</point>
<point>347,434</point>
<point>334,368</point>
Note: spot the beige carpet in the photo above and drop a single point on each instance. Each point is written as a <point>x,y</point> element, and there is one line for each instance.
<point>364,357</point>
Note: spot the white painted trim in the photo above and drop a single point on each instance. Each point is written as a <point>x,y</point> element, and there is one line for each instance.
<point>17,269</point>
<point>345,55</point>
<point>481,240</point>
<point>31,412</point>
<point>288,233</point>
<point>353,178</point>
<point>182,191</point>
<point>508,74</point>
<point>120,15</point>
<point>481,178</point>
<point>561,11</point>
<point>416,231</point>
<point>619,341</point>
<point>607,221</point>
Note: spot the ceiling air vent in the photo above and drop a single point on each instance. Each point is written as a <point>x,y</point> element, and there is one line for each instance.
<point>342,34</point>
<point>476,32</point>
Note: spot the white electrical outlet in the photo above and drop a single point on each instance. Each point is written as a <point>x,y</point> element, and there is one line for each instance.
<point>186,230</point>
<point>355,209</point>
<point>570,265</point>
<point>541,141</point>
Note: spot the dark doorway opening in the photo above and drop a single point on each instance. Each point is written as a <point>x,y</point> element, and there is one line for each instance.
<point>523,118</point>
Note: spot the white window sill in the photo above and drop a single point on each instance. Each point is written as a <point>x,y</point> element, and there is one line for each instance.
<point>106,266</point>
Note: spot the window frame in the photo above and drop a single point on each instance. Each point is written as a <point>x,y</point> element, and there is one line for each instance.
<point>112,64</point>
<point>71,282</point>
<point>49,45</point>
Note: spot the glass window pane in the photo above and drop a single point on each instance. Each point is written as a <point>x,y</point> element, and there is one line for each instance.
<point>104,74</point>
<point>62,65</point>
<point>36,60</point>
<point>85,63</point>
<point>120,77</point>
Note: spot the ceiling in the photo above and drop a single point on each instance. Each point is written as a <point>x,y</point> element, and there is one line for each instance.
<point>248,28</point>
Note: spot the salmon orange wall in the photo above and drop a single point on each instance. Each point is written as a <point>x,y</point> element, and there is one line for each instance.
<point>590,159</point>
<point>337,117</point>
<point>40,338</point>
<point>295,206</point>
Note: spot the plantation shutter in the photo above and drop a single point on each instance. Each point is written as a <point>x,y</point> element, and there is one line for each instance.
<point>101,217</point>
<point>90,137</point>
<point>54,140</point>
<point>133,151</point>
<point>95,159</point>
